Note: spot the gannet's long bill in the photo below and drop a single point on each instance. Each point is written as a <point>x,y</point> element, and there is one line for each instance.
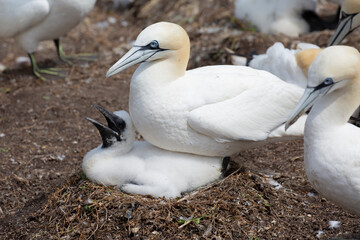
<point>332,146</point>
<point>213,110</point>
<point>33,21</point>
<point>349,21</point>
<point>141,168</point>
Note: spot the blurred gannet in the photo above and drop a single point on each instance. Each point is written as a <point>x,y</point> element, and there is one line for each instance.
<point>289,17</point>
<point>349,21</point>
<point>282,62</point>
<point>213,110</point>
<point>287,64</point>
<point>141,168</point>
<point>331,145</point>
<point>33,21</point>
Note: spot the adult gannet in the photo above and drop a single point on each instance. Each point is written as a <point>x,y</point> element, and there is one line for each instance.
<point>33,21</point>
<point>289,17</point>
<point>283,63</point>
<point>213,110</point>
<point>331,145</point>
<point>287,64</point>
<point>349,21</point>
<point>141,168</point>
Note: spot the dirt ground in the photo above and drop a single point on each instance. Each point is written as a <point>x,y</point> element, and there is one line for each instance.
<point>44,136</point>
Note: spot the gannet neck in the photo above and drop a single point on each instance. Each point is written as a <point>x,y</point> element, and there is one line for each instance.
<point>335,109</point>
<point>351,6</point>
<point>333,87</point>
<point>163,70</point>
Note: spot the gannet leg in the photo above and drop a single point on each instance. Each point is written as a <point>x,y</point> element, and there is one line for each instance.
<point>49,71</point>
<point>70,59</point>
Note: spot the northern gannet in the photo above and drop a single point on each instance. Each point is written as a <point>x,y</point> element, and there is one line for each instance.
<point>141,168</point>
<point>33,21</point>
<point>213,110</point>
<point>283,63</point>
<point>331,145</point>
<point>289,17</point>
<point>349,21</point>
<point>287,64</point>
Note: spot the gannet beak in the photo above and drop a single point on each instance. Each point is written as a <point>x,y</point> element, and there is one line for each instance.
<point>137,54</point>
<point>347,24</point>
<point>114,122</point>
<point>108,136</point>
<point>305,103</point>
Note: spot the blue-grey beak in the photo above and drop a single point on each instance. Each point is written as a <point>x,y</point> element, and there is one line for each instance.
<point>136,54</point>
<point>347,24</point>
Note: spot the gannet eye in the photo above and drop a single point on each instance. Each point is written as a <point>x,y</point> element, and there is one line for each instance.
<point>154,44</point>
<point>328,81</point>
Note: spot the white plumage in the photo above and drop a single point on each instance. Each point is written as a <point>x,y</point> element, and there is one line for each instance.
<point>214,110</point>
<point>141,168</point>
<point>332,146</point>
<point>281,62</point>
<point>275,16</point>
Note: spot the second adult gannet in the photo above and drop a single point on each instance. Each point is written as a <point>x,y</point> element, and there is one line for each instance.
<point>331,145</point>
<point>287,64</point>
<point>349,21</point>
<point>141,168</point>
<point>213,110</point>
<point>33,21</point>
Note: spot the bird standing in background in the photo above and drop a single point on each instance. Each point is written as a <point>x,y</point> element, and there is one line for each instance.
<point>33,21</point>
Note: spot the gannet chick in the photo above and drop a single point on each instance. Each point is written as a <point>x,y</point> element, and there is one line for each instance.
<point>289,17</point>
<point>349,21</point>
<point>141,168</point>
<point>331,145</point>
<point>33,21</point>
<point>213,110</point>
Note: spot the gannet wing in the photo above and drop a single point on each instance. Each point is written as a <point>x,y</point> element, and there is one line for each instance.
<point>251,115</point>
<point>18,15</point>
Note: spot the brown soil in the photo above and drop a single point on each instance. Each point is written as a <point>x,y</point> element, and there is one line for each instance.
<point>43,193</point>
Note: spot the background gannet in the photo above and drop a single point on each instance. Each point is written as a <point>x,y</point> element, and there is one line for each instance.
<point>141,168</point>
<point>283,63</point>
<point>287,64</point>
<point>331,145</point>
<point>33,21</point>
<point>349,21</point>
<point>213,110</point>
<point>289,17</point>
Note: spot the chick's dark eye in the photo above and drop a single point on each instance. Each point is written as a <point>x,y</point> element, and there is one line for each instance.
<point>154,44</point>
<point>328,81</point>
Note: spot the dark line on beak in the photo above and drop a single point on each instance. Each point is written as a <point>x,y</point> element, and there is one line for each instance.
<point>337,35</point>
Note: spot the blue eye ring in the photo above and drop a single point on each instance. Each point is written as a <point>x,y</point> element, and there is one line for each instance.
<point>154,44</point>
<point>328,81</point>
